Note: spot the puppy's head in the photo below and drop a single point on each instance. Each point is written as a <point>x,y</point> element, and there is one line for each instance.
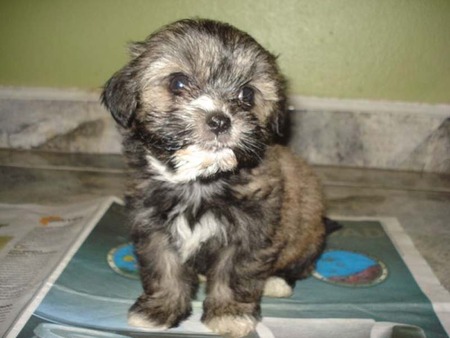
<point>201,96</point>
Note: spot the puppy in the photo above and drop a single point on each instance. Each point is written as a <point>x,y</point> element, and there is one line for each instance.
<point>201,107</point>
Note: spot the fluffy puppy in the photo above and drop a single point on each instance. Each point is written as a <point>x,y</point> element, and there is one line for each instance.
<point>201,106</point>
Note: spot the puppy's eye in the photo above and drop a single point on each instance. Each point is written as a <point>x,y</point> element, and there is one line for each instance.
<point>178,83</point>
<point>247,96</point>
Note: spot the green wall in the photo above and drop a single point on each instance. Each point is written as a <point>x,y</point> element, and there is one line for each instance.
<point>365,49</point>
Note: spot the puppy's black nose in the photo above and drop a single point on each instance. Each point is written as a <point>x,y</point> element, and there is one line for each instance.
<point>218,123</point>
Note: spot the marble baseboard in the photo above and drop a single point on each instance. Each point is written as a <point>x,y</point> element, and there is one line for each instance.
<point>352,133</point>
<point>382,135</point>
<point>56,120</point>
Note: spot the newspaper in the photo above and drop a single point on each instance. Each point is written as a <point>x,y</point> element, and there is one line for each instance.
<point>56,280</point>
<point>33,241</point>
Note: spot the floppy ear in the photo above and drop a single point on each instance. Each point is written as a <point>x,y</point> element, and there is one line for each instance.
<point>120,96</point>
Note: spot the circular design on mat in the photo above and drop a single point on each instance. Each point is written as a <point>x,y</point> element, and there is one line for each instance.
<point>123,261</point>
<point>349,268</point>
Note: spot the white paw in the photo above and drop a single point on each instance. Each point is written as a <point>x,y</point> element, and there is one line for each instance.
<point>232,326</point>
<point>138,320</point>
<point>277,287</point>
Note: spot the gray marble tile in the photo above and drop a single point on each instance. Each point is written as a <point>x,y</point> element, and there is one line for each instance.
<point>114,163</point>
<point>328,137</point>
<point>59,125</point>
<point>330,176</point>
<point>433,153</point>
<point>56,187</point>
<point>383,179</point>
<point>397,140</point>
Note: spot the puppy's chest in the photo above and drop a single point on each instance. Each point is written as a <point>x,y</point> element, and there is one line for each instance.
<point>189,237</point>
<point>194,220</point>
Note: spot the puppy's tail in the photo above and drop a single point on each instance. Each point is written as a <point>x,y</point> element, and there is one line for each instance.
<point>331,226</point>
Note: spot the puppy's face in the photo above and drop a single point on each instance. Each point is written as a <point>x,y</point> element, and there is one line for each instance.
<point>201,96</point>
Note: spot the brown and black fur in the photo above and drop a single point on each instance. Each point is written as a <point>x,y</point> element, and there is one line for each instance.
<point>201,106</point>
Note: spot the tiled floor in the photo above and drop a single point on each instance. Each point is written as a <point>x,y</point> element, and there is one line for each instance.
<point>421,202</point>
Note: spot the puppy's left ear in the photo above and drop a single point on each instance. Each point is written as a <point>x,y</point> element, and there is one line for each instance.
<point>120,96</point>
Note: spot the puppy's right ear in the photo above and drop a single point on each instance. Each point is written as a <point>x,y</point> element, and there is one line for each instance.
<point>120,96</point>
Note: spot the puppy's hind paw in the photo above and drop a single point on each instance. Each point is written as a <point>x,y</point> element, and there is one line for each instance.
<point>232,326</point>
<point>277,287</point>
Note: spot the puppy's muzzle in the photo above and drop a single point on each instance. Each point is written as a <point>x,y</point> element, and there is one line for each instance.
<point>218,123</point>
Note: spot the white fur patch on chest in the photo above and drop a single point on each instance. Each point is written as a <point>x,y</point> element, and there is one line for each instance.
<point>189,240</point>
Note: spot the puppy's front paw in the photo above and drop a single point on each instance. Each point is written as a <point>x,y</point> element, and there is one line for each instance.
<point>157,313</point>
<point>232,326</point>
<point>141,320</point>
